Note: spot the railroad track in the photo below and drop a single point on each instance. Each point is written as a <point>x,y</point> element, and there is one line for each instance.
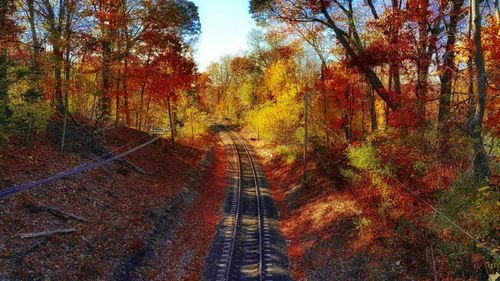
<point>246,251</point>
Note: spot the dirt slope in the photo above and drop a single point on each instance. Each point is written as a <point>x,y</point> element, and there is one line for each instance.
<point>119,207</point>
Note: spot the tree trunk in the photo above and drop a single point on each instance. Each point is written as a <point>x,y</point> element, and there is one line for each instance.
<point>67,68</point>
<point>394,64</point>
<point>36,73</point>
<point>373,112</point>
<point>363,115</point>
<point>4,88</point>
<point>58,57</point>
<point>325,101</point>
<point>306,136</point>
<point>105,100</point>
<point>346,117</point>
<point>117,97</point>
<point>423,59</point>
<point>143,88</point>
<point>125,93</point>
<point>480,162</point>
<point>497,12</point>
<point>192,124</point>
<point>170,119</point>
<point>470,76</point>
<point>449,67</point>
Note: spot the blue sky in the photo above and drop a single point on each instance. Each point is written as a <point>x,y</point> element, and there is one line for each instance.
<point>225,25</point>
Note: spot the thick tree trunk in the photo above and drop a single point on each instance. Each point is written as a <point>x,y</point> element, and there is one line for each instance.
<point>470,76</point>
<point>449,67</point>
<point>497,12</point>
<point>480,162</point>
<point>394,67</point>
<point>423,62</point>
<point>421,89</point>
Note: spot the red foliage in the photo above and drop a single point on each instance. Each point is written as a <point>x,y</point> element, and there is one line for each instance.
<point>195,236</point>
<point>119,206</point>
<point>405,117</point>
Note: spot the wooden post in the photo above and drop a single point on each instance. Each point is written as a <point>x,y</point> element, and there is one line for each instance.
<point>170,120</point>
<point>192,125</point>
<point>306,105</point>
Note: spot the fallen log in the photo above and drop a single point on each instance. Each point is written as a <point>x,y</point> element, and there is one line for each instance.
<point>46,233</point>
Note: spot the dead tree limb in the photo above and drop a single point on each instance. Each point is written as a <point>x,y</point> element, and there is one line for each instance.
<point>46,233</point>
<point>32,248</point>
<point>60,213</point>
<point>55,211</point>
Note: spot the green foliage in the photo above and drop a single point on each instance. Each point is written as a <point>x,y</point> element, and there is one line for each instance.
<point>347,173</point>
<point>363,157</point>
<point>30,117</point>
<point>468,196</point>
<point>276,122</point>
<point>361,223</point>
<point>476,207</point>
<point>290,154</point>
<point>299,135</point>
<point>193,124</point>
<point>420,167</point>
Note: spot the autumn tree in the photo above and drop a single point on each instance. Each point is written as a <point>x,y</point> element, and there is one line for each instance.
<point>320,12</point>
<point>6,24</point>
<point>475,126</point>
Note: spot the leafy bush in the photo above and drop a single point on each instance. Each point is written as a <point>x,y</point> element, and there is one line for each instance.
<point>475,206</point>
<point>5,115</point>
<point>361,223</point>
<point>363,157</point>
<point>194,125</point>
<point>288,153</point>
<point>276,122</point>
<point>29,118</point>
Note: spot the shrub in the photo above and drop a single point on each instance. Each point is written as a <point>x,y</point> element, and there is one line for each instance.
<point>276,122</point>
<point>195,127</point>
<point>288,153</point>
<point>29,118</point>
<point>363,157</point>
<point>475,206</point>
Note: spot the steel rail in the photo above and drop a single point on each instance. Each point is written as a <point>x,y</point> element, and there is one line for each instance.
<point>237,211</point>
<point>257,198</point>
